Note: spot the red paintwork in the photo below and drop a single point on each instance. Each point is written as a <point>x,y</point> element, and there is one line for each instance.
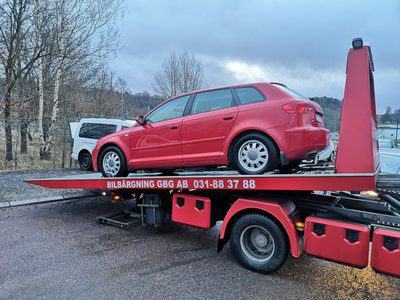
<point>205,138</point>
<point>333,245</point>
<point>357,150</point>
<point>280,210</point>
<point>189,214</point>
<point>290,182</point>
<point>383,260</point>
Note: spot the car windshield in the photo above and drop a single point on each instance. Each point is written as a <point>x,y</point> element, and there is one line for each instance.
<point>289,91</point>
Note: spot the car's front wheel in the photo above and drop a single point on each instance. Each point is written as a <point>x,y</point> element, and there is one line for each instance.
<point>255,154</point>
<point>112,163</point>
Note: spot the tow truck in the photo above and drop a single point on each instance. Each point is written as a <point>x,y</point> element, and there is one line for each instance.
<point>347,213</point>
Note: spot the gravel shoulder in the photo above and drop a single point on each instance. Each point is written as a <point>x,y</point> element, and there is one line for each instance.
<point>12,185</point>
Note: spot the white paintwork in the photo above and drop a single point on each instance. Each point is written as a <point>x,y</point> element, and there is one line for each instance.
<point>72,127</point>
<point>325,154</point>
<point>89,144</point>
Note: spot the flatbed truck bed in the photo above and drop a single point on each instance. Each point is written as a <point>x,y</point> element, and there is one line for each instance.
<point>219,180</point>
<point>347,212</point>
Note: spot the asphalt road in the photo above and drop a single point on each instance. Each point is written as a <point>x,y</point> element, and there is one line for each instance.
<point>57,251</point>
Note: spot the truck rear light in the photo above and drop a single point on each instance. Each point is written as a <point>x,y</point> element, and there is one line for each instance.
<point>296,108</point>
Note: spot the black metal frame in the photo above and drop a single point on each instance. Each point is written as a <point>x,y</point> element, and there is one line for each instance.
<point>352,207</point>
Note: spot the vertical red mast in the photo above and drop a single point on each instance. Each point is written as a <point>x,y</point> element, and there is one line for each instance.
<point>358,143</point>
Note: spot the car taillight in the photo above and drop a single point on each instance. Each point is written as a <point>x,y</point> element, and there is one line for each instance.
<point>296,108</point>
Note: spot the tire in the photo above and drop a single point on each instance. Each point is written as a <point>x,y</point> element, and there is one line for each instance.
<point>272,249</point>
<point>85,161</point>
<point>107,163</point>
<point>264,162</point>
<point>290,166</point>
<point>168,172</point>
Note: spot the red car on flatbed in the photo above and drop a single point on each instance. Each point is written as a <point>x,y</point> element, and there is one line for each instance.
<point>253,128</point>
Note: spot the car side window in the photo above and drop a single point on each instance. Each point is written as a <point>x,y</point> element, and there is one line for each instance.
<point>213,100</point>
<point>95,130</point>
<point>247,95</point>
<point>171,110</point>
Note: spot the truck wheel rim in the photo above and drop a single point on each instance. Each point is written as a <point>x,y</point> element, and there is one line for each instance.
<point>257,243</point>
<point>253,155</point>
<point>111,163</point>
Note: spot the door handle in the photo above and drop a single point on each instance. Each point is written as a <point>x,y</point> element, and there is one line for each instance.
<point>226,118</point>
<point>175,126</point>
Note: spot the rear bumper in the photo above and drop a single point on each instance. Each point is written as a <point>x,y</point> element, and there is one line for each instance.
<point>74,156</point>
<point>305,142</point>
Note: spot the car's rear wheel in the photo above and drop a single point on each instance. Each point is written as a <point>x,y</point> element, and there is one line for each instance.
<point>168,172</point>
<point>85,161</point>
<point>293,165</point>
<point>112,163</point>
<point>255,154</point>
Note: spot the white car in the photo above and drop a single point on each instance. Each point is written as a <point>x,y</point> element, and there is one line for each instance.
<point>85,134</point>
<point>326,155</point>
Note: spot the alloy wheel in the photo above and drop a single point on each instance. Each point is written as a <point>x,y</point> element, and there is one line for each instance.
<point>253,155</point>
<point>111,163</point>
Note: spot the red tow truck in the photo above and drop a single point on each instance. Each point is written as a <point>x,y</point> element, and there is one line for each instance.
<point>334,213</point>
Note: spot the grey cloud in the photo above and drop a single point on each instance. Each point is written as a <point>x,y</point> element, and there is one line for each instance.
<point>289,34</point>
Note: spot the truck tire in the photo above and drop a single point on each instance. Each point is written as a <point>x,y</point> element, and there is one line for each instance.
<point>85,161</point>
<point>254,154</point>
<point>258,243</point>
<point>112,163</point>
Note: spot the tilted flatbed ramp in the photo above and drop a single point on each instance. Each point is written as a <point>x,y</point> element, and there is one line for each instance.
<point>217,181</point>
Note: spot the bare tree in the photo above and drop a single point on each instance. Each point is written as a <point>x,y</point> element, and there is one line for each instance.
<point>84,31</point>
<point>167,81</point>
<point>179,74</point>
<point>121,90</point>
<point>53,69</point>
<point>18,54</point>
<point>191,77</point>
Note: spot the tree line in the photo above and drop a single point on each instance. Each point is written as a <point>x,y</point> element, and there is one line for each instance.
<point>390,116</point>
<point>53,56</point>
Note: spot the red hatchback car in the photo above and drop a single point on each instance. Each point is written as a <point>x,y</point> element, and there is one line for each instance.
<point>253,128</point>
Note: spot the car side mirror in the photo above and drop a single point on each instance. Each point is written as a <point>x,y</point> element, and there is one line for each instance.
<point>140,120</point>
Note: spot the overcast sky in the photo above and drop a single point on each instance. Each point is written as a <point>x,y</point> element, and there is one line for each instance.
<point>300,43</point>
